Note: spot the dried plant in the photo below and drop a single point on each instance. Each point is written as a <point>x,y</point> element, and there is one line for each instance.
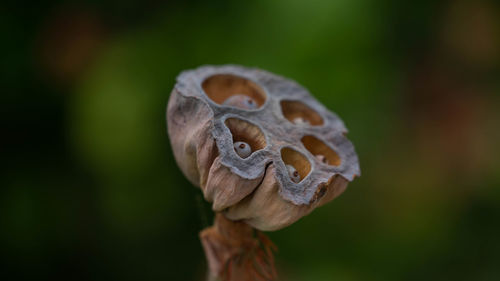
<point>264,152</point>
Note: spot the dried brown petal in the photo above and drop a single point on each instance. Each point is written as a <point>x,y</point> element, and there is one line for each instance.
<point>266,210</point>
<point>225,188</point>
<point>189,128</point>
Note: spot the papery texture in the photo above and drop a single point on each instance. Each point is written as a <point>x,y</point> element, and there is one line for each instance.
<point>211,108</point>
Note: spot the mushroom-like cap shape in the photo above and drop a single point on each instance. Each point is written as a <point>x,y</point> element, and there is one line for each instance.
<point>299,156</point>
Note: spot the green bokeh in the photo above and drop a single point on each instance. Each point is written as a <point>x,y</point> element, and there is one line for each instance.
<point>92,191</point>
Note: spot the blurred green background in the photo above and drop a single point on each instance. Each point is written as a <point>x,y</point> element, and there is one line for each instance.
<point>90,189</point>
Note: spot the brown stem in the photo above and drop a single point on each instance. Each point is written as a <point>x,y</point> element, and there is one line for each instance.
<point>236,251</point>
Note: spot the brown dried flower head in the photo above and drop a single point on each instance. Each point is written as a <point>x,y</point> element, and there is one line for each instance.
<point>260,147</point>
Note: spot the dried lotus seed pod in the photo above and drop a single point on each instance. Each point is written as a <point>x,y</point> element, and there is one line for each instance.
<point>263,151</point>
<point>213,108</point>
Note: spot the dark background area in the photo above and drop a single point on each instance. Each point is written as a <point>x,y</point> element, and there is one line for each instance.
<point>90,189</point>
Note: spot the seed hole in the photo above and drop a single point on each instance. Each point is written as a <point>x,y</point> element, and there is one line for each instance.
<point>245,133</point>
<point>297,161</point>
<point>300,114</point>
<point>234,91</point>
<point>321,151</point>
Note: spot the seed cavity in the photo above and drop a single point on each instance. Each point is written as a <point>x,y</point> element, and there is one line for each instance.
<point>222,87</point>
<point>297,165</point>
<point>297,111</point>
<point>247,137</point>
<point>323,152</point>
<point>242,149</point>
